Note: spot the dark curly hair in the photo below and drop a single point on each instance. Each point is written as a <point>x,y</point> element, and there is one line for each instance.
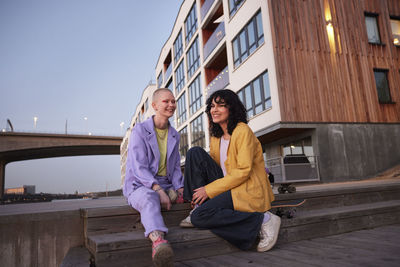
<point>237,111</point>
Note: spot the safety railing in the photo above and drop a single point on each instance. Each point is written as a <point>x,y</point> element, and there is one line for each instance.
<point>299,168</point>
<point>214,40</point>
<point>219,82</point>
<point>205,8</point>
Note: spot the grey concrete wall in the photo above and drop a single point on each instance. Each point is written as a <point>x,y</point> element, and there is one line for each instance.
<point>41,239</point>
<point>356,151</point>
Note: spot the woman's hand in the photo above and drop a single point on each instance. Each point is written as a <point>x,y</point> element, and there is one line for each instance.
<point>164,199</point>
<point>199,195</point>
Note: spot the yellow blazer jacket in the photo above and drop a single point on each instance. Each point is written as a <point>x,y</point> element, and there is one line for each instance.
<point>246,176</point>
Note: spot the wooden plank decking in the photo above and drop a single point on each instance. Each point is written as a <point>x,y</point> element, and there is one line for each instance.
<point>373,247</point>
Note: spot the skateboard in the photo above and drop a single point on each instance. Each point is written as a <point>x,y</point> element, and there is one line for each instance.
<point>287,208</point>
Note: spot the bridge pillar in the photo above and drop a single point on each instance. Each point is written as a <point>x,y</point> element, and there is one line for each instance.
<point>2,176</point>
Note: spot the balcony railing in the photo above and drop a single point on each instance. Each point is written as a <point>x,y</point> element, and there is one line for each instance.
<point>205,8</point>
<point>214,40</point>
<point>290,169</point>
<point>219,82</point>
<point>168,72</point>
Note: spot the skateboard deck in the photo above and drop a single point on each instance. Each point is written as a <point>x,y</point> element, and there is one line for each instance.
<point>287,207</point>
<point>287,203</point>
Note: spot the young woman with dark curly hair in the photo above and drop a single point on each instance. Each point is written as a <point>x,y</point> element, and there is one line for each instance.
<point>230,188</point>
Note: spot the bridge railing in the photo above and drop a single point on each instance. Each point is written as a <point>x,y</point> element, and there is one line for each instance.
<point>61,133</point>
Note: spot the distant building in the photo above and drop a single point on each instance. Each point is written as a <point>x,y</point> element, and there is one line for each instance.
<point>143,111</point>
<point>320,80</point>
<point>24,190</point>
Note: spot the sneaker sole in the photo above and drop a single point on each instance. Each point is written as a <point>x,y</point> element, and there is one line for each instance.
<point>186,225</point>
<point>164,256</point>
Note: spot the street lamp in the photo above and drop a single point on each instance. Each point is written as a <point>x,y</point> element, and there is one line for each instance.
<point>35,122</point>
<point>122,126</point>
<point>86,124</point>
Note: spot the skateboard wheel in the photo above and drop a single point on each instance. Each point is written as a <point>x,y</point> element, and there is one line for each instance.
<point>290,214</point>
<point>291,189</point>
<point>281,190</point>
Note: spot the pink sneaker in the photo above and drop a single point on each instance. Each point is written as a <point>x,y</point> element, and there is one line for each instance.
<point>163,254</point>
<point>180,199</point>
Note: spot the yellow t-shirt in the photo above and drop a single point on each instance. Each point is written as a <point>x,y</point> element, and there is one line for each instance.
<point>162,137</point>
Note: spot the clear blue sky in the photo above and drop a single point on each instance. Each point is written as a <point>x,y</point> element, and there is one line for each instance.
<point>70,59</point>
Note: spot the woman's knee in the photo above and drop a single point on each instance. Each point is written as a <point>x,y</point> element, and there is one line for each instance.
<point>145,200</point>
<point>195,151</point>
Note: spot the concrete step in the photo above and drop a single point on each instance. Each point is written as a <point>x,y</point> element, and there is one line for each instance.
<point>124,218</point>
<point>332,198</point>
<point>331,221</point>
<point>132,248</point>
<point>77,257</point>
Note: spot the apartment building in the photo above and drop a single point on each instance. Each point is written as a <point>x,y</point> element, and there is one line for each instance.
<point>320,80</point>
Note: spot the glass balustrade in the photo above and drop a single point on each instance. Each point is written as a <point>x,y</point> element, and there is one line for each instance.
<point>205,8</point>
<point>168,72</point>
<point>214,40</point>
<point>219,82</point>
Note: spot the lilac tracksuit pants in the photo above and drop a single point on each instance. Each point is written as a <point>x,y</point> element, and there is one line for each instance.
<point>147,202</point>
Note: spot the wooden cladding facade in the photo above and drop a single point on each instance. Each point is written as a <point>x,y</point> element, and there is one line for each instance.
<point>325,72</point>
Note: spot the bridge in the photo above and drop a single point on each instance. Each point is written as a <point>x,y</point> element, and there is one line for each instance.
<point>17,146</point>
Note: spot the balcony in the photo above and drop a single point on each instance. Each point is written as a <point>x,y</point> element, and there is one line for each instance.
<point>205,8</point>
<point>214,40</point>
<point>219,82</point>
<point>168,72</point>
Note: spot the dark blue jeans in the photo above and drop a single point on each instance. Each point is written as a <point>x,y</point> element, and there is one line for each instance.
<point>217,214</point>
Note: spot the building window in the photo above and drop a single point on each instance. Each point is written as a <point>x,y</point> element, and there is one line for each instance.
<point>140,116</point>
<point>191,24</point>
<point>159,80</point>
<point>297,148</point>
<point>179,77</point>
<point>184,142</point>
<point>395,25</point>
<point>169,85</point>
<point>193,58</point>
<point>195,95</point>
<point>256,95</point>
<point>181,109</point>
<point>371,22</point>
<point>146,105</point>
<point>198,135</point>
<point>248,39</point>
<point>382,86</point>
<point>300,151</point>
<point>172,122</point>
<point>178,47</point>
<point>234,6</point>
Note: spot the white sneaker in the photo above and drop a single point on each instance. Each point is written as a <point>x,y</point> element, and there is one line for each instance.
<point>269,233</point>
<point>187,223</point>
